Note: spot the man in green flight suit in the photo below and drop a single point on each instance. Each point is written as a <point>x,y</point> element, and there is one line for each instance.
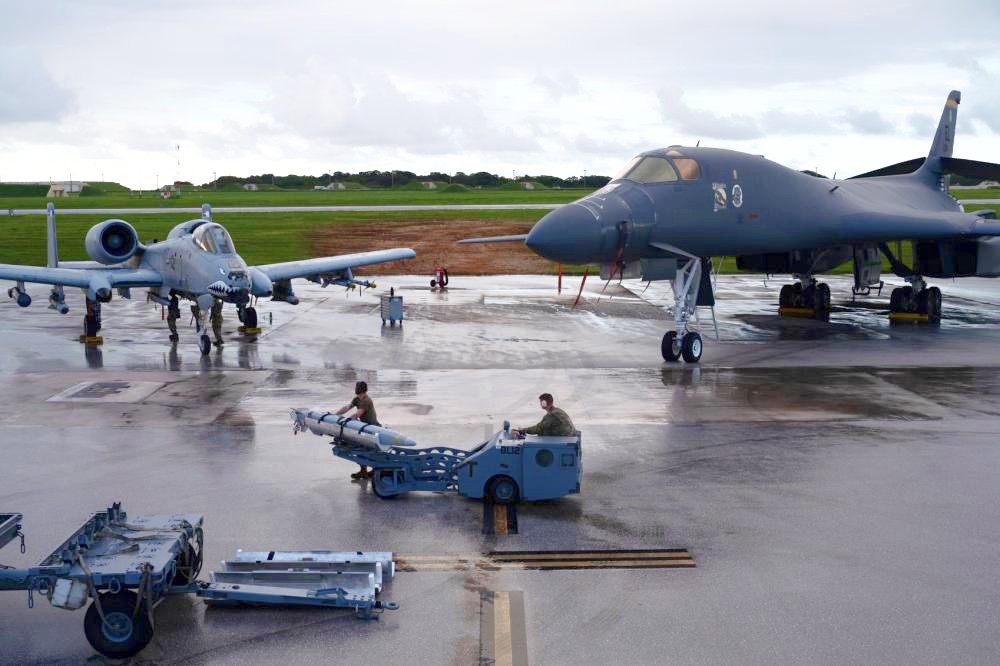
<point>216,317</point>
<point>173,314</point>
<point>556,422</point>
<point>365,407</point>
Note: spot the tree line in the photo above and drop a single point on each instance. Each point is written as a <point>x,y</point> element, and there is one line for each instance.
<point>388,179</point>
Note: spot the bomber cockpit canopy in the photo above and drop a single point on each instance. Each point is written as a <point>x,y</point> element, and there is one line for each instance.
<point>665,167</point>
<point>213,238</point>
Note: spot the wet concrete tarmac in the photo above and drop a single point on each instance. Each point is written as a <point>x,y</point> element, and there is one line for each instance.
<point>836,482</point>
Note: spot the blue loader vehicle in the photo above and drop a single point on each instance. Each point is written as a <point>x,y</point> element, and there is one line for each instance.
<point>502,469</point>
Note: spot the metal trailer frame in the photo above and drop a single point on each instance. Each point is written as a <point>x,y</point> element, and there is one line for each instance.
<point>501,469</point>
<point>126,567</point>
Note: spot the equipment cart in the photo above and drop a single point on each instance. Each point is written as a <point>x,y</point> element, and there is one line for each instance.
<point>126,566</point>
<point>392,308</point>
<point>502,469</point>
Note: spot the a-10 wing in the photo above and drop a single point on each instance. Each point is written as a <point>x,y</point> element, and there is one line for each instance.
<point>85,278</point>
<point>324,265</point>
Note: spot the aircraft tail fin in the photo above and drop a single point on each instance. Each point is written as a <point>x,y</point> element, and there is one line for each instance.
<point>943,145</point>
<point>52,242</point>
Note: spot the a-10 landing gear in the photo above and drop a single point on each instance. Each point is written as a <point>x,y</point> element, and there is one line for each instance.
<point>247,316</point>
<point>916,299</point>
<point>808,294</point>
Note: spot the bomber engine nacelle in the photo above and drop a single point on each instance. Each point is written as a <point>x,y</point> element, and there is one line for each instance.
<point>112,242</point>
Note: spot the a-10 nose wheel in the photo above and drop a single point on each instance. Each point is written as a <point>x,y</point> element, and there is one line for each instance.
<point>689,347</point>
<point>204,344</point>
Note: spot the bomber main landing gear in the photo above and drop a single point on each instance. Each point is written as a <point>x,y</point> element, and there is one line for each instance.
<point>915,302</point>
<point>806,298</point>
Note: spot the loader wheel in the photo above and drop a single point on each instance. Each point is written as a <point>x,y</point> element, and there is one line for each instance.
<point>502,490</point>
<point>380,490</point>
<point>123,632</point>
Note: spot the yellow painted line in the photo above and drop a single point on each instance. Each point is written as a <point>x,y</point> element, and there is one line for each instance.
<point>500,519</point>
<point>503,648</point>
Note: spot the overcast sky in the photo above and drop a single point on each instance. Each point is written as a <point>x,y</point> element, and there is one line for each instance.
<point>113,86</point>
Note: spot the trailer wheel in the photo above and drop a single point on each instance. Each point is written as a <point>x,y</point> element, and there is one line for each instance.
<point>188,566</point>
<point>502,490</point>
<point>123,633</point>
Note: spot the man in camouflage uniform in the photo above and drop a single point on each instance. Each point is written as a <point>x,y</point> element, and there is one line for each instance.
<point>556,422</point>
<point>216,317</point>
<point>173,314</point>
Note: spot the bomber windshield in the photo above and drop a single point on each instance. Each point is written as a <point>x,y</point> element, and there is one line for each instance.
<point>649,169</point>
<point>686,167</point>
<point>214,239</point>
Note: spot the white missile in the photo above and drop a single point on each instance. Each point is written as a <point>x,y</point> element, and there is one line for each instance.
<point>328,424</point>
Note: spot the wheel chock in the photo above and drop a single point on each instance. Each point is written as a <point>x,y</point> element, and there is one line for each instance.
<point>249,330</point>
<point>908,316</point>
<point>92,339</point>
<point>796,312</point>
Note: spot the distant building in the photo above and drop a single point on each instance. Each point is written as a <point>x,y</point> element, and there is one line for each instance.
<point>429,185</point>
<point>65,189</point>
<point>250,187</point>
<point>529,186</point>
<point>331,186</point>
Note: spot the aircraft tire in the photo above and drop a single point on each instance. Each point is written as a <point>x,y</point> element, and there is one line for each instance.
<point>822,297</point>
<point>668,347</point>
<point>691,347</point>
<point>934,303</point>
<point>205,345</point>
<point>895,300</point>
<point>786,295</point>
<point>250,317</point>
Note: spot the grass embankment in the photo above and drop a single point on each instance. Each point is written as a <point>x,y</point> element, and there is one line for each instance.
<point>450,194</point>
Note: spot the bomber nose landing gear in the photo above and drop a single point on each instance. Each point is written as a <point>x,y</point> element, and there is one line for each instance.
<point>688,347</point>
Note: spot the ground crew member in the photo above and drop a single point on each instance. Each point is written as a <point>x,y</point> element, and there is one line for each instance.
<point>173,314</point>
<point>365,411</point>
<point>556,422</point>
<point>216,316</point>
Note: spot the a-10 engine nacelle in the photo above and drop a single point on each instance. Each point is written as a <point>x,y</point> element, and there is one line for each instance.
<point>112,242</point>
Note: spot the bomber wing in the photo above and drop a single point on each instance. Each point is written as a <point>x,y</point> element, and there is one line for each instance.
<point>322,265</point>
<point>83,278</point>
<point>880,227</point>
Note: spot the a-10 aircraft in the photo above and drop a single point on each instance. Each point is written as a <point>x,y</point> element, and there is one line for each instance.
<point>197,261</point>
<point>670,210</point>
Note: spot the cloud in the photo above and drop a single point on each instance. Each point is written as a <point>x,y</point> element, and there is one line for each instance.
<point>333,108</point>
<point>702,122</point>
<point>866,122</point>
<point>28,93</point>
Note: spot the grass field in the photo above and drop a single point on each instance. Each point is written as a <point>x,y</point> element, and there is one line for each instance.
<point>272,237</point>
<point>399,197</point>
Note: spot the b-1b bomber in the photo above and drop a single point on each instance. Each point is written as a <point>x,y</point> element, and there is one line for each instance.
<point>197,261</point>
<point>669,211</point>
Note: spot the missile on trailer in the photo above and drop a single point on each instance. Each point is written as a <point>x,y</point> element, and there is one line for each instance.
<point>328,424</point>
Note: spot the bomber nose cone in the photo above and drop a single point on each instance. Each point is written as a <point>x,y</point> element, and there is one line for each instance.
<point>570,234</point>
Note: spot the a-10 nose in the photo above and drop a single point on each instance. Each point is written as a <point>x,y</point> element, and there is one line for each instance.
<point>570,234</point>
